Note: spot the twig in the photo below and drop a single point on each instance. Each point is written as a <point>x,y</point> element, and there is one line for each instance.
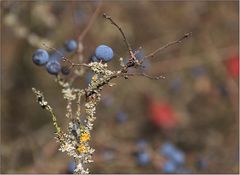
<point>94,16</point>
<point>52,48</point>
<point>132,56</point>
<point>67,59</point>
<point>187,35</point>
<point>46,106</point>
<point>72,9</point>
<point>145,75</point>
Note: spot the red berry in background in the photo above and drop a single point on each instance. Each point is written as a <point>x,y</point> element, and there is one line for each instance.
<point>162,114</point>
<point>232,65</point>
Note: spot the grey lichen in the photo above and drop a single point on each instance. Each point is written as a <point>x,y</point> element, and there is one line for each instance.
<point>75,141</point>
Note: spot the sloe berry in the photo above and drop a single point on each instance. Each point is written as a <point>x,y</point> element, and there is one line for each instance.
<point>40,57</point>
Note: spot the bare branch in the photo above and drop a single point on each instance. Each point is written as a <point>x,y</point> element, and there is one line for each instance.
<point>72,64</point>
<point>52,48</point>
<point>145,75</point>
<point>92,19</point>
<point>187,35</point>
<point>132,56</point>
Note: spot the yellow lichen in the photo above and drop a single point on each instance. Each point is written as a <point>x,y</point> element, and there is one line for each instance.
<point>82,149</point>
<point>94,78</point>
<point>84,137</point>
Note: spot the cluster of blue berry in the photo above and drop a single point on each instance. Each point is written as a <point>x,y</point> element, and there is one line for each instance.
<point>175,158</point>
<point>41,57</point>
<point>143,157</point>
<point>52,62</point>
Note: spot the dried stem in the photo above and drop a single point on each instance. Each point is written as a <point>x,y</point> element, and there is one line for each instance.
<point>143,74</point>
<point>187,35</point>
<point>43,103</point>
<point>132,56</point>
<point>94,16</point>
<point>66,59</point>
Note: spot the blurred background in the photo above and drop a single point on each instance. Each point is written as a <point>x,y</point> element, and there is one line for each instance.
<point>186,123</point>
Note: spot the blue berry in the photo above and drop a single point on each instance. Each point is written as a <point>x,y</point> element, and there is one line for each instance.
<point>40,57</point>
<point>169,167</point>
<point>53,67</point>
<point>142,144</point>
<point>108,154</point>
<point>71,167</point>
<point>139,54</point>
<point>121,117</point>
<point>94,58</point>
<point>222,90</point>
<point>176,85</point>
<point>145,65</point>
<point>143,158</point>
<point>198,71</point>
<point>89,77</point>
<point>80,17</point>
<point>178,157</point>
<point>65,70</point>
<point>70,45</point>
<point>104,53</point>
<point>167,149</point>
<point>107,100</point>
<point>202,164</point>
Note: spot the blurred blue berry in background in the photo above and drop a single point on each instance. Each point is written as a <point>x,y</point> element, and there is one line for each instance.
<point>145,65</point>
<point>40,57</point>
<point>178,157</point>
<point>176,85</point>
<point>198,71</point>
<point>107,100</point>
<point>169,167</point>
<point>89,77</point>
<point>222,90</point>
<point>143,158</point>
<point>201,164</point>
<point>108,155</point>
<point>174,154</point>
<point>70,45</point>
<point>167,149</point>
<point>104,53</point>
<point>139,54</point>
<point>80,17</point>
<point>142,144</point>
<point>121,117</point>
<point>71,167</point>
<point>53,67</point>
